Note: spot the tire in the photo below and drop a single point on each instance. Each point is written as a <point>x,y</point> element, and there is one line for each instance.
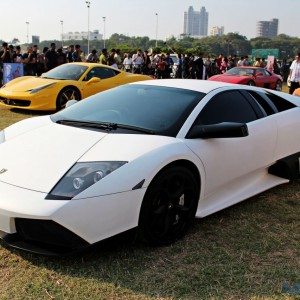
<point>278,86</point>
<point>251,83</point>
<point>169,206</point>
<point>66,94</point>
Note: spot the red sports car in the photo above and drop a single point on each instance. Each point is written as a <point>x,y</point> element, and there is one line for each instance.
<point>251,76</point>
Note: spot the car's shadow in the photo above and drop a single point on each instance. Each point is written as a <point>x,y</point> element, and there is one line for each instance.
<point>32,113</point>
<point>225,251</point>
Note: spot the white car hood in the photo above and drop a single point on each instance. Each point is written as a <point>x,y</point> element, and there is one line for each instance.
<point>37,159</point>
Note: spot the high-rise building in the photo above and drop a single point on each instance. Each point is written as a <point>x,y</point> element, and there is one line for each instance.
<point>267,29</point>
<point>195,22</point>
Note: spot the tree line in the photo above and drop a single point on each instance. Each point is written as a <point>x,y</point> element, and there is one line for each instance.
<point>229,44</point>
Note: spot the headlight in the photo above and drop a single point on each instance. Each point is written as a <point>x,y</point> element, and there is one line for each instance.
<point>82,176</point>
<point>2,137</point>
<point>33,91</point>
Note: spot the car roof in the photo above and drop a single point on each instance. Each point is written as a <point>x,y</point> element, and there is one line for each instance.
<point>203,86</point>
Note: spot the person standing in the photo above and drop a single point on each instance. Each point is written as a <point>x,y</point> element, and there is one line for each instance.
<point>92,57</point>
<point>118,59</point>
<point>41,67</point>
<point>137,62</point>
<point>5,54</point>
<point>70,54</point>
<point>4,58</point>
<point>295,74</point>
<point>103,57</point>
<point>17,56</point>
<point>51,57</point>
<point>77,54</point>
<point>61,57</point>
<point>127,62</point>
<point>30,62</point>
<point>199,67</point>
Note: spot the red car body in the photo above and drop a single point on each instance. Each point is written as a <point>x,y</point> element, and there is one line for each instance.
<point>254,76</point>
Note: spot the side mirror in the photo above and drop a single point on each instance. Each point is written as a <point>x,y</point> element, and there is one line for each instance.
<point>220,130</point>
<point>71,102</point>
<point>259,74</point>
<point>93,80</point>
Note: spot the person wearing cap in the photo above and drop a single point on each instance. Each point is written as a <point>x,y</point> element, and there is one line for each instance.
<point>295,74</point>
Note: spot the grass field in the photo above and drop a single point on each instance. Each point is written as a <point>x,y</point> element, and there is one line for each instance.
<point>248,251</point>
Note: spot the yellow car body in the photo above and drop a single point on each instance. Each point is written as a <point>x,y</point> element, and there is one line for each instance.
<point>43,93</point>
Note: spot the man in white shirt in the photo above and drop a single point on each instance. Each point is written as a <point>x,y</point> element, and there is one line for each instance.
<point>295,74</point>
<point>137,61</point>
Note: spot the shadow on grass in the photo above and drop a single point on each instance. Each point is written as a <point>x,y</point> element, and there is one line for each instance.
<point>244,251</point>
<point>32,113</point>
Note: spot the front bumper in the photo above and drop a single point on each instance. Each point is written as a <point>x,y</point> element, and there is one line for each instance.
<point>58,227</point>
<point>24,100</point>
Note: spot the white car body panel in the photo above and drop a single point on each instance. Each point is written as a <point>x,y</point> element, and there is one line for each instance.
<point>288,133</point>
<point>144,167</point>
<point>65,145</point>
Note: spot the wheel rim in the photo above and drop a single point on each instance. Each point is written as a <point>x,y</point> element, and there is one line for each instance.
<point>171,207</point>
<point>251,83</point>
<point>66,95</point>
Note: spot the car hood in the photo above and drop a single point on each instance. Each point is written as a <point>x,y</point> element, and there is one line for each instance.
<point>38,158</point>
<point>26,83</point>
<point>229,78</point>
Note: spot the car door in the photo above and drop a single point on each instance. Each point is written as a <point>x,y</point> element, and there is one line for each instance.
<point>263,78</point>
<point>105,79</point>
<point>228,161</point>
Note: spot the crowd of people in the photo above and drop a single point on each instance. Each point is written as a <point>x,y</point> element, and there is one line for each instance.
<point>158,65</point>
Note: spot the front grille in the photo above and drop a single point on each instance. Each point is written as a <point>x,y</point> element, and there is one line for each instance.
<point>48,235</point>
<point>15,102</point>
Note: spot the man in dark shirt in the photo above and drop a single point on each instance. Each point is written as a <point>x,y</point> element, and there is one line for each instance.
<point>30,61</point>
<point>4,58</point>
<point>77,54</point>
<point>51,57</point>
<point>70,54</point>
<point>5,54</point>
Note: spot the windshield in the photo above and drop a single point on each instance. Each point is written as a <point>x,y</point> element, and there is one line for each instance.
<point>162,110</point>
<point>66,72</point>
<point>240,71</point>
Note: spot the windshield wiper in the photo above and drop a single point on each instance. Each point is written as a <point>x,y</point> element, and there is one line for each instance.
<point>78,123</point>
<point>104,125</point>
<point>134,128</point>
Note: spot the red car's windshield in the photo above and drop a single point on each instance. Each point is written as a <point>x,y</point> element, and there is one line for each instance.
<point>241,72</point>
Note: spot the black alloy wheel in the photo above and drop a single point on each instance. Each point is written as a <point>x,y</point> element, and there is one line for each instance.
<point>169,206</point>
<point>66,94</point>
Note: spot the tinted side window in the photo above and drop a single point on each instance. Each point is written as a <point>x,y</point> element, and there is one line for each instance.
<point>101,73</point>
<point>229,106</point>
<point>280,103</point>
<point>268,107</point>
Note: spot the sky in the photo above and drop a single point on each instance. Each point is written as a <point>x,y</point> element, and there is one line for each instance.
<point>138,17</point>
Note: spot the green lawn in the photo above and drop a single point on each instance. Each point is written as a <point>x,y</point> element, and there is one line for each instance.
<point>248,251</point>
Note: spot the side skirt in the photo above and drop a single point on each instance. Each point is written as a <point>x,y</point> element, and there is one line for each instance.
<point>238,191</point>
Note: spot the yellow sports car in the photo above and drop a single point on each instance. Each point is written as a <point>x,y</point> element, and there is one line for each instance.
<point>55,88</point>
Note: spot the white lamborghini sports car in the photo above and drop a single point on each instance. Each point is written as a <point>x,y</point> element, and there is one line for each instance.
<point>151,155</point>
